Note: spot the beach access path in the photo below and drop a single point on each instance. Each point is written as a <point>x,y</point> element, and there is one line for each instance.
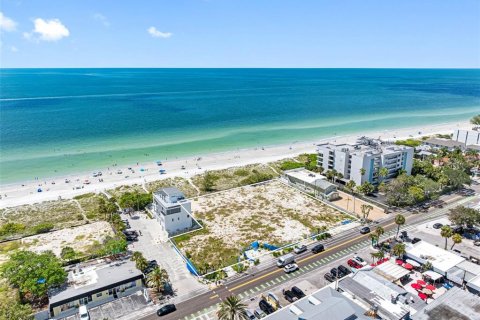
<point>27,192</point>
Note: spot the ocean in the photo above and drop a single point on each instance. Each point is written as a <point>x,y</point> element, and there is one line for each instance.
<point>61,121</point>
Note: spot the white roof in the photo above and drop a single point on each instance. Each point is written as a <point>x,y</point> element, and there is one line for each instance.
<point>474,283</point>
<point>390,271</point>
<point>440,259</point>
<point>305,175</point>
<point>432,275</point>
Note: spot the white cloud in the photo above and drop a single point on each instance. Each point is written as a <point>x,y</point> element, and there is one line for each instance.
<point>7,24</point>
<point>48,30</point>
<point>158,34</point>
<point>13,49</point>
<point>102,19</point>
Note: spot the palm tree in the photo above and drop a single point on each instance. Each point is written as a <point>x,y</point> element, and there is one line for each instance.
<point>399,249</point>
<point>350,186</point>
<point>399,221</point>
<point>374,238</point>
<point>141,264</point>
<point>446,232</point>
<point>366,208</point>
<point>456,238</point>
<point>475,120</point>
<point>373,255</point>
<point>157,279</point>
<point>362,171</point>
<point>137,255</point>
<point>232,309</point>
<point>379,232</point>
<point>383,172</point>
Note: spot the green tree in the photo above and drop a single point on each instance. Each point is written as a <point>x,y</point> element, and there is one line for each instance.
<point>446,232</point>
<point>399,221</point>
<point>366,188</point>
<point>232,309</point>
<point>11,228</point>
<point>362,171</point>
<point>373,238</point>
<point>112,245</point>
<point>140,262</point>
<point>350,186</point>
<point>456,238</point>
<point>464,216</point>
<point>33,273</point>
<point>416,193</point>
<point>379,231</point>
<point>68,253</point>
<point>399,249</point>
<point>475,120</point>
<point>10,306</point>
<point>383,172</point>
<point>366,208</point>
<point>157,279</point>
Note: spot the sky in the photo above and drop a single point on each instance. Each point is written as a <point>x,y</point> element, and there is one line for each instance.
<point>240,33</point>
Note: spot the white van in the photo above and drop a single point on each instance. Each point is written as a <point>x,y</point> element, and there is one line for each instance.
<point>285,259</point>
<point>83,312</point>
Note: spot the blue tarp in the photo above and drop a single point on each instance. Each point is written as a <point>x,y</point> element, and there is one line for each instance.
<point>269,246</point>
<point>191,268</point>
<point>346,221</point>
<point>255,245</point>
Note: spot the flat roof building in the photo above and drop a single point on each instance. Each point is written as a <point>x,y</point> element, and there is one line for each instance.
<point>441,260</point>
<point>312,183</point>
<point>467,137</point>
<point>454,304</point>
<point>439,143</point>
<point>94,284</point>
<point>325,303</point>
<point>367,155</point>
<point>172,210</point>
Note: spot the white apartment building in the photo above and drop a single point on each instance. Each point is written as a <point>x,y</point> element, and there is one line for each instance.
<point>467,137</point>
<point>349,159</point>
<point>172,210</point>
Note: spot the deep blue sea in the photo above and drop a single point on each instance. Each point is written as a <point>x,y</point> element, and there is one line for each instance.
<point>59,121</point>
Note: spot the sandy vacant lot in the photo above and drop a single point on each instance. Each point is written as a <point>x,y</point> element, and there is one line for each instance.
<point>346,202</point>
<point>271,212</point>
<point>79,238</point>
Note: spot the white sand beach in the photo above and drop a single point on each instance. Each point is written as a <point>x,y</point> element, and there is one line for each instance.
<point>52,189</point>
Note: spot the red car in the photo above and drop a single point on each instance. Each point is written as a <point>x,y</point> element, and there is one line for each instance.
<point>354,264</point>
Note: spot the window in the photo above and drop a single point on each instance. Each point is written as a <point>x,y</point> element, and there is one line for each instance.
<point>178,218</point>
<point>99,294</point>
<point>172,219</point>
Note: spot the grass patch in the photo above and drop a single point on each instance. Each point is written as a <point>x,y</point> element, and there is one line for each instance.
<point>178,182</point>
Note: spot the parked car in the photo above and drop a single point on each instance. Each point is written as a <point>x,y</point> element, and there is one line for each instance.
<point>299,293</point>
<point>265,306</point>
<point>437,225</point>
<point>329,277</point>
<point>365,230</point>
<point>337,273</point>
<point>290,268</point>
<point>318,248</point>
<point>476,243</point>
<point>415,240</point>
<point>169,308</point>
<point>354,264</point>
<point>344,270</point>
<point>259,313</point>
<point>290,296</point>
<point>300,249</point>
<point>359,260</point>
<point>249,314</point>
<point>83,313</point>
<point>153,263</point>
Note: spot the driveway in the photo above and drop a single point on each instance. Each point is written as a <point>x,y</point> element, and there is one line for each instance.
<point>154,244</point>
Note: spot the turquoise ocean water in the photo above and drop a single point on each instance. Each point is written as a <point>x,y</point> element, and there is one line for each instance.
<point>60,121</point>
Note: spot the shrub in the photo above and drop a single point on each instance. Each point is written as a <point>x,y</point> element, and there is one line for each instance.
<point>256,262</point>
<point>11,228</point>
<point>43,227</point>
<point>289,165</point>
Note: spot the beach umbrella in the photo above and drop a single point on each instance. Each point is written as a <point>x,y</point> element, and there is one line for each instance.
<point>408,266</point>
<point>399,262</point>
<point>430,287</point>
<point>427,292</point>
<point>421,282</point>
<point>422,296</point>
<point>416,286</point>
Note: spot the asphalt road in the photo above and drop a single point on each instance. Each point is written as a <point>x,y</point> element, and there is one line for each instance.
<point>335,245</point>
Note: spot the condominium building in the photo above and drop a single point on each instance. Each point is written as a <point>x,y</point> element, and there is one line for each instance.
<point>362,162</point>
<point>172,210</point>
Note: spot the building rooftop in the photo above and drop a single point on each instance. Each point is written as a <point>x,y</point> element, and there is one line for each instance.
<point>170,195</point>
<point>305,175</point>
<point>326,303</point>
<point>444,142</point>
<point>390,271</point>
<point>440,259</point>
<point>454,304</point>
<point>84,279</point>
<point>465,270</point>
<point>364,149</point>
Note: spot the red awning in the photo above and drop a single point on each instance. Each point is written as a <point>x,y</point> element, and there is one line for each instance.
<point>399,262</point>
<point>430,287</point>
<point>421,282</point>
<point>408,266</point>
<point>416,286</point>
<point>422,296</point>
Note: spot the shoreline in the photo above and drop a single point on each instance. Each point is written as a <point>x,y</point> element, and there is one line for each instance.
<point>26,192</point>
